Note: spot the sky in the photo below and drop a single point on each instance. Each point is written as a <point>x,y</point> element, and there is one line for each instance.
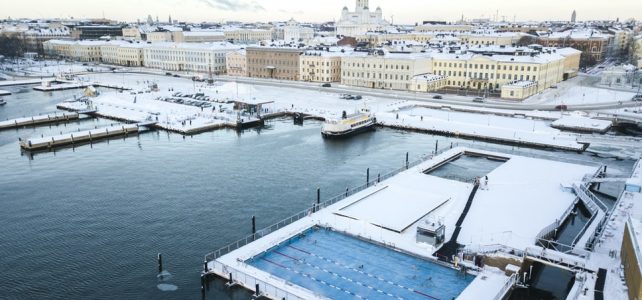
<point>399,11</point>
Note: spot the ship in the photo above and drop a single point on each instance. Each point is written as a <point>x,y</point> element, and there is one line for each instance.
<point>348,125</point>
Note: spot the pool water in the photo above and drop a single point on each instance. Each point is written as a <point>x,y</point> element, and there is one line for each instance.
<point>466,167</point>
<point>338,266</point>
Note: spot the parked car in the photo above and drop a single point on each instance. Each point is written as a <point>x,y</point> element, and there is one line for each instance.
<point>478,99</point>
<point>357,97</point>
<point>561,107</point>
<point>637,97</point>
<point>176,75</point>
<point>437,97</point>
<point>326,85</point>
<point>168,73</point>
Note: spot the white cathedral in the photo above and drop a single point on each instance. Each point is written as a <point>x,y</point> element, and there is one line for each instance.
<point>361,20</point>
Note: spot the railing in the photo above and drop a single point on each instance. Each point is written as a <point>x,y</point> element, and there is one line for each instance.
<point>560,257</point>
<point>507,286</point>
<point>586,199</point>
<point>596,200</point>
<point>580,281</point>
<point>314,208</point>
<point>545,233</point>
<point>265,289</point>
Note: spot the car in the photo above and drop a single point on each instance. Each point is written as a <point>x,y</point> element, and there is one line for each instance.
<point>637,97</point>
<point>326,85</point>
<point>478,100</point>
<point>176,75</point>
<point>357,97</point>
<point>553,86</point>
<point>437,97</point>
<point>168,73</point>
<point>561,107</point>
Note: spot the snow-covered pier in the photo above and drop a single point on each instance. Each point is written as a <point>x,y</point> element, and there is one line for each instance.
<point>510,208</point>
<point>42,119</point>
<point>4,93</point>
<point>582,124</point>
<point>87,136</point>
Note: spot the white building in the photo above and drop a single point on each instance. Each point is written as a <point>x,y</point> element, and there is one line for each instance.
<point>383,70</point>
<point>361,20</point>
<point>236,63</point>
<point>194,57</point>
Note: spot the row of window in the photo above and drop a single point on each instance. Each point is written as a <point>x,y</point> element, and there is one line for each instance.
<point>485,66</point>
<point>381,66</point>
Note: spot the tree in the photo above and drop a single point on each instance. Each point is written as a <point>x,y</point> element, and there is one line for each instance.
<point>526,40</point>
<point>11,46</point>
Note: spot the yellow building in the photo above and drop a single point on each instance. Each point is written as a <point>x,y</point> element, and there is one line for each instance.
<point>383,70</point>
<point>321,66</point>
<point>273,62</point>
<point>236,63</point>
<point>631,258</point>
<point>490,73</point>
<point>241,35</point>
<point>427,83</point>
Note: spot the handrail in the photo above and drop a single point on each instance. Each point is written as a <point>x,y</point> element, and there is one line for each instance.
<point>547,231</point>
<point>597,201</point>
<point>506,287</point>
<point>266,289</point>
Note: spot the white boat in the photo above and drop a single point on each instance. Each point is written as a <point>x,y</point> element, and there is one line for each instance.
<point>348,125</point>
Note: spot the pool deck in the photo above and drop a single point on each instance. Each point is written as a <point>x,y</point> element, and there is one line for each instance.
<point>483,226</point>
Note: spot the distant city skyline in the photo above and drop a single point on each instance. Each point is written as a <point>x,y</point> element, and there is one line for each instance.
<point>404,11</point>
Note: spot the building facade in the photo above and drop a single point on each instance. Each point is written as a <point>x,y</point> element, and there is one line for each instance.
<point>271,62</point>
<point>236,63</point>
<point>383,70</point>
<point>203,58</point>
<point>321,66</point>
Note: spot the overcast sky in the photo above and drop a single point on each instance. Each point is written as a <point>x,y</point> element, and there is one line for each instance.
<point>404,11</point>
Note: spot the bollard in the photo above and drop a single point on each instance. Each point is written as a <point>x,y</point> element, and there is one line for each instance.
<point>347,192</point>
<point>436,146</point>
<point>205,266</point>
<point>258,292</point>
<point>451,145</point>
<point>367,177</point>
<point>160,262</point>
<point>379,177</point>
<point>318,195</point>
<point>231,280</point>
<point>253,225</point>
<point>406,160</point>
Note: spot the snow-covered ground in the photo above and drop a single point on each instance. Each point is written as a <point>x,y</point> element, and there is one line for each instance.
<point>577,91</point>
<point>578,122</point>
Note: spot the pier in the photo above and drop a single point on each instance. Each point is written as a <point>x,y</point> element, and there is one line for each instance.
<point>4,93</point>
<point>42,120</point>
<point>87,136</point>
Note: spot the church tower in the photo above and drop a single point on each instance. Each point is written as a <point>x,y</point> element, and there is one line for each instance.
<point>362,5</point>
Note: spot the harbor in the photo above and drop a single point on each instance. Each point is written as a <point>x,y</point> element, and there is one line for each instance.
<point>43,119</point>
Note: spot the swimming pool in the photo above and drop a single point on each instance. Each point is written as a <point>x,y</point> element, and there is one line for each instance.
<point>339,266</point>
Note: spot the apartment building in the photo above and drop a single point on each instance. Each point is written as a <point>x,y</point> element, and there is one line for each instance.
<point>122,54</point>
<point>382,70</point>
<point>273,62</point>
<point>593,44</point>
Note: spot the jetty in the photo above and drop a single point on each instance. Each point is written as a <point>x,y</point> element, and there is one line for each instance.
<point>43,119</point>
<point>4,93</point>
<point>81,137</point>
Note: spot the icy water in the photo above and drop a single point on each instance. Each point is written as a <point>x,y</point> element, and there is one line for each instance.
<point>87,222</point>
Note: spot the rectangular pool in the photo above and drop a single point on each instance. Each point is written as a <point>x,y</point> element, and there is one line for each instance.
<point>466,167</point>
<point>339,266</point>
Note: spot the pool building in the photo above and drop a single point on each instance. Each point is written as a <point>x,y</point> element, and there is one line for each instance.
<point>429,232</point>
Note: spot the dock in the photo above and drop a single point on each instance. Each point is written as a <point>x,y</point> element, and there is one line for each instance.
<point>68,85</point>
<point>41,120</point>
<point>4,93</point>
<point>81,137</point>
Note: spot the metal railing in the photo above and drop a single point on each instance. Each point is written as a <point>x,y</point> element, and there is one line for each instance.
<point>580,281</point>
<point>265,289</point>
<point>311,209</point>
<point>546,232</point>
<point>506,287</point>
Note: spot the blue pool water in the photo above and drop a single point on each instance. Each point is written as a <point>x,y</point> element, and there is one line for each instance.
<point>339,266</point>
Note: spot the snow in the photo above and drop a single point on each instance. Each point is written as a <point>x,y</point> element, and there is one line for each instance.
<point>485,285</point>
<point>582,123</point>
<point>522,197</point>
<point>574,91</point>
<point>409,205</point>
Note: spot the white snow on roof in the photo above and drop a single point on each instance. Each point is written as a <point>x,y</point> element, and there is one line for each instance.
<point>504,211</point>
<point>396,205</point>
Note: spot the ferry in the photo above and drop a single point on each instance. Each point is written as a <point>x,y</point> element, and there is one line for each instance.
<point>348,125</point>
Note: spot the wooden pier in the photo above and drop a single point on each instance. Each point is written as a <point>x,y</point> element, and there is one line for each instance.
<point>81,137</point>
<point>41,120</point>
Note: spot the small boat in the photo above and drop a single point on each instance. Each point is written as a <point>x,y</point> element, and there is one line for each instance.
<point>348,125</point>
<point>2,102</point>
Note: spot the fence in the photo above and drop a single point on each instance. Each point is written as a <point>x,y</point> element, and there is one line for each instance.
<point>316,207</point>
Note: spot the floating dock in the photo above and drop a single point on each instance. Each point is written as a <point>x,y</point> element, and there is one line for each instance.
<point>87,136</point>
<point>41,120</point>
<point>4,93</point>
<point>61,85</point>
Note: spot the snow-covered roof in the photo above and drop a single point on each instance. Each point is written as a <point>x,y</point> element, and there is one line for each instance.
<point>428,77</point>
<point>203,33</point>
